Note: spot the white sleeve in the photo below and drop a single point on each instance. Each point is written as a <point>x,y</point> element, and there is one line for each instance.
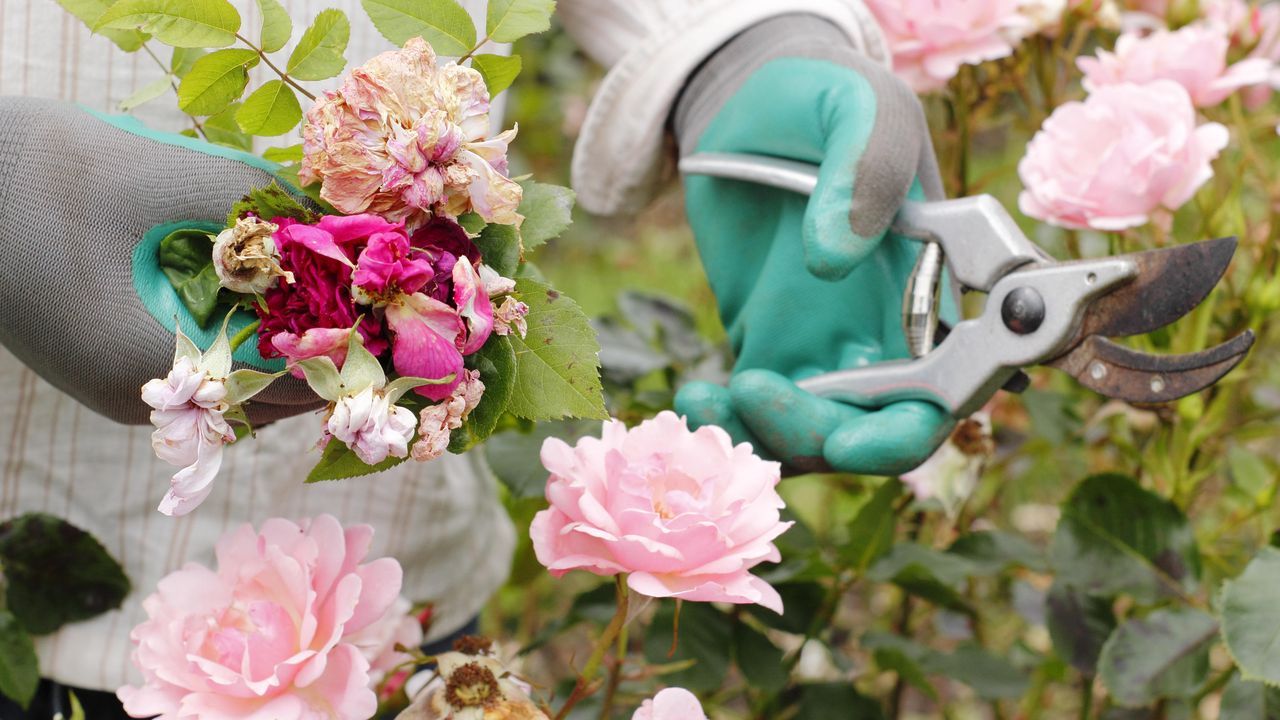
<point>651,48</point>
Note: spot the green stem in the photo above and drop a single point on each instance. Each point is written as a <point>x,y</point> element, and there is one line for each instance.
<point>283,75</point>
<point>248,332</point>
<point>1086,697</point>
<point>174,84</point>
<point>583,687</point>
<point>473,50</point>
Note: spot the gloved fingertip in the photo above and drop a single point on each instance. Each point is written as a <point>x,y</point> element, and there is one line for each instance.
<point>831,249</point>
<point>704,403</point>
<point>891,441</point>
<point>792,423</point>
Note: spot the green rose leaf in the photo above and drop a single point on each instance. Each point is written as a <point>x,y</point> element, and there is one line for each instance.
<point>19,667</point>
<point>557,363</point>
<point>500,248</point>
<point>443,23</point>
<point>88,12</point>
<point>926,573</point>
<point>836,701</point>
<point>272,109</point>
<point>146,94</point>
<point>871,533</point>
<point>1079,625</point>
<point>186,258</point>
<point>277,27</point>
<point>992,552</point>
<point>215,81</point>
<point>1250,616</point>
<point>706,638</point>
<point>991,676</point>
<point>1248,700</point>
<point>1163,655</point>
<point>320,52</point>
<point>180,23</point>
<point>892,659</point>
<point>339,462</point>
<point>57,573</point>
<point>282,155</point>
<point>547,211</point>
<point>496,362</point>
<point>1115,537</point>
<point>182,60</point>
<point>758,658</point>
<point>271,202</point>
<point>223,129</point>
<point>498,71</point>
<point>510,20</point>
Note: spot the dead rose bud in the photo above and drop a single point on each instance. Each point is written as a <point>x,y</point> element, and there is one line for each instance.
<point>436,422</point>
<point>473,645</point>
<point>472,687</point>
<point>245,257</point>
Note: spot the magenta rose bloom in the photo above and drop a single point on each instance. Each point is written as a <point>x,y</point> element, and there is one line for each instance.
<point>686,514</point>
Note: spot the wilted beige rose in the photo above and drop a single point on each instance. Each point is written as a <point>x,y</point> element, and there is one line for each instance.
<point>245,257</point>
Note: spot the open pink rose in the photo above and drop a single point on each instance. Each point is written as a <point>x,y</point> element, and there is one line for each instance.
<point>405,137</point>
<point>1124,153</point>
<point>271,634</point>
<point>685,514</point>
<point>930,40</point>
<point>1195,57</point>
<point>671,704</point>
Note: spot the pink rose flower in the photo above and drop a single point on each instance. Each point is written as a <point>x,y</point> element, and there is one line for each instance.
<point>269,634</point>
<point>1195,57</point>
<point>685,514</point>
<point>371,426</point>
<point>188,407</point>
<point>930,40</point>
<point>1251,27</point>
<point>671,704</point>
<point>405,138</point>
<point>1124,153</point>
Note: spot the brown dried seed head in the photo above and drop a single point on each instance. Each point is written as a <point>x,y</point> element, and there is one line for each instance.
<point>472,685</point>
<point>473,645</point>
<point>971,438</point>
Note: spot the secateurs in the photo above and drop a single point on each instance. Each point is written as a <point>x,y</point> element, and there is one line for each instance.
<point>1039,311</point>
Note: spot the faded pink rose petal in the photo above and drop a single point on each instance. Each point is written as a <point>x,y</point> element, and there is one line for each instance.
<point>671,704</point>
<point>371,426</point>
<point>686,514</point>
<point>425,342</point>
<point>316,342</point>
<point>188,408</point>
<point>931,40</point>
<point>509,316</point>
<point>1195,57</point>
<point>437,422</point>
<point>1110,162</point>
<point>279,632</point>
<point>406,137</point>
<point>473,305</point>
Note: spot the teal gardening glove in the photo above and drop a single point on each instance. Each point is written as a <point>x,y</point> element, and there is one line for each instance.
<point>807,286</point>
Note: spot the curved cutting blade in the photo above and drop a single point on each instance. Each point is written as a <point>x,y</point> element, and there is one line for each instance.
<point>1169,284</point>
<point>1116,371</point>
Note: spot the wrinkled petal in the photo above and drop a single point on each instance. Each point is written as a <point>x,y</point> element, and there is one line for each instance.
<point>425,342</point>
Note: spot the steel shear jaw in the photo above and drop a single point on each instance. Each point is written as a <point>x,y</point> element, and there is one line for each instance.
<point>1038,310</point>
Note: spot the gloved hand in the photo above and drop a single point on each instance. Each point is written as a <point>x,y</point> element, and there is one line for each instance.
<point>808,285</point>
<point>84,203</point>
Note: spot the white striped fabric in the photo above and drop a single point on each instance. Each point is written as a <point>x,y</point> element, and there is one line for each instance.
<point>442,520</point>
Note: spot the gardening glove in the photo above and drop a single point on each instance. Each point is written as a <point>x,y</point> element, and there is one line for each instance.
<point>808,285</point>
<point>86,200</point>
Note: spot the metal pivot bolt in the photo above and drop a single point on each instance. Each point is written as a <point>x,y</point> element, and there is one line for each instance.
<point>1022,310</point>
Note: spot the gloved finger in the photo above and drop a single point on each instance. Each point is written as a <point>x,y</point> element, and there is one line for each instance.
<point>704,403</point>
<point>876,138</point>
<point>890,441</point>
<point>790,423</point>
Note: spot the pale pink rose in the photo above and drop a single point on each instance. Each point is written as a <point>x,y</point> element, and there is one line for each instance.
<point>510,316</point>
<point>371,426</point>
<point>1124,153</point>
<point>671,704</point>
<point>437,422</point>
<point>1195,57</point>
<point>684,514</point>
<point>188,407</point>
<point>268,635</point>
<point>931,40</point>
<point>405,137</point>
<point>1251,27</point>
<point>378,641</point>
<point>495,284</point>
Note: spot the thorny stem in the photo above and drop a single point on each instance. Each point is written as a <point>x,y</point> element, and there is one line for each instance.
<point>584,686</point>
<point>283,75</point>
<point>174,84</point>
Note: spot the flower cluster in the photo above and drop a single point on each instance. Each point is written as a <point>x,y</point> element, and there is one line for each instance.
<point>292,624</point>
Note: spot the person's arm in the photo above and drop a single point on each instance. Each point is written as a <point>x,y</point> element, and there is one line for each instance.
<point>651,49</point>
